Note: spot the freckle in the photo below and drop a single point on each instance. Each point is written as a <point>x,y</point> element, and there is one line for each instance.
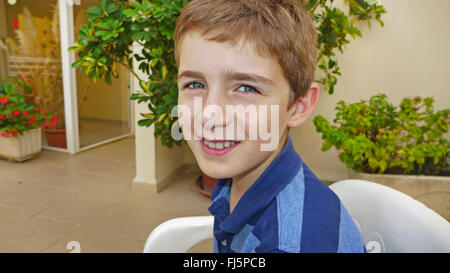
<point>20,182</point>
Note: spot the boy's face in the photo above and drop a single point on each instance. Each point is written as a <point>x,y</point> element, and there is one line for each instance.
<point>212,62</point>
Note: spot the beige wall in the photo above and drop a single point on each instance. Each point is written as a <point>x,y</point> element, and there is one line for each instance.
<point>408,56</point>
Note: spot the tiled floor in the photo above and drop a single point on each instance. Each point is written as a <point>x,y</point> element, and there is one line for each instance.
<point>55,198</point>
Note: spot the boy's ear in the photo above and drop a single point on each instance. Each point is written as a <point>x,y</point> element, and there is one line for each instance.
<point>302,108</point>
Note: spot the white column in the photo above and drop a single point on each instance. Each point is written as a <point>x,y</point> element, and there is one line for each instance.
<point>144,139</point>
<point>69,76</point>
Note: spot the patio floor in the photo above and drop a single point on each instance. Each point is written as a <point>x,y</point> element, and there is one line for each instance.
<point>55,198</point>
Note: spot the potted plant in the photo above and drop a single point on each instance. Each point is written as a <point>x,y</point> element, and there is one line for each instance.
<point>20,124</point>
<point>39,60</point>
<point>402,147</point>
<point>113,26</point>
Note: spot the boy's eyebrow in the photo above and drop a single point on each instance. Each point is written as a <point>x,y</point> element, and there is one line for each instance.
<point>230,76</point>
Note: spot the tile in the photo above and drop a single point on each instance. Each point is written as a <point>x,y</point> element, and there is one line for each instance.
<point>178,198</point>
<point>42,159</point>
<point>15,185</point>
<point>95,241</point>
<point>79,209</point>
<point>135,220</point>
<point>38,199</point>
<point>86,182</point>
<point>31,234</point>
<point>10,216</point>
<point>186,180</point>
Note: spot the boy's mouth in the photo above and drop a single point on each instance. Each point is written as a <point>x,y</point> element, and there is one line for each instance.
<point>218,147</point>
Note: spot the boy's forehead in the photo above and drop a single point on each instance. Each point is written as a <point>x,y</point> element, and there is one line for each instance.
<point>196,51</point>
<point>193,39</point>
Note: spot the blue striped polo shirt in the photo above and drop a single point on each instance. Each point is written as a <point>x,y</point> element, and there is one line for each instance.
<point>287,209</point>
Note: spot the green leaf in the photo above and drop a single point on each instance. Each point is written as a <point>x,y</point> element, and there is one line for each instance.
<point>131,12</point>
<point>326,145</point>
<point>145,122</point>
<point>93,13</point>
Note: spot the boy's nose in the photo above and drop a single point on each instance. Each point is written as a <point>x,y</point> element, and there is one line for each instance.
<point>213,110</point>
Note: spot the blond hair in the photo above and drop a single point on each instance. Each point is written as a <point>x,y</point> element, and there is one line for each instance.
<point>282,29</point>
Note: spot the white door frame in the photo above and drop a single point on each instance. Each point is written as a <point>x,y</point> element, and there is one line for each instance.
<point>69,75</point>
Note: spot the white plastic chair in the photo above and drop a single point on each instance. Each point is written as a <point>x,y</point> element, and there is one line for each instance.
<point>391,221</point>
<point>179,234</point>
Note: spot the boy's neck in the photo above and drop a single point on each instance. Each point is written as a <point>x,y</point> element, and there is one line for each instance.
<point>244,181</point>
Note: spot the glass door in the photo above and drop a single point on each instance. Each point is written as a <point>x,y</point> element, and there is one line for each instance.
<point>103,110</point>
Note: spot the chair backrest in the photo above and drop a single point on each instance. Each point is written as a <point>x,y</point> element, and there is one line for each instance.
<point>391,221</point>
<point>179,234</point>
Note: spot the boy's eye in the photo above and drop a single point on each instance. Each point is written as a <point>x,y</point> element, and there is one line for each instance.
<point>194,84</point>
<point>248,89</point>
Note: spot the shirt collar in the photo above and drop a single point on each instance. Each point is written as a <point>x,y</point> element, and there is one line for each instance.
<point>275,177</point>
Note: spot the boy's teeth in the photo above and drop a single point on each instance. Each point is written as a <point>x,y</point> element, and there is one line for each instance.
<point>218,145</point>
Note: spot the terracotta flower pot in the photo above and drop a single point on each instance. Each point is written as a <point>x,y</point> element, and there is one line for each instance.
<point>205,184</point>
<point>56,137</point>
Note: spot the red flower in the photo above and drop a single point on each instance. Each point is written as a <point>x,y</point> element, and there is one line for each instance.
<point>4,99</point>
<point>2,116</point>
<point>15,23</point>
<point>17,113</point>
<point>53,121</point>
<point>25,113</point>
<point>21,77</point>
<point>30,121</point>
<point>4,134</point>
<point>11,114</point>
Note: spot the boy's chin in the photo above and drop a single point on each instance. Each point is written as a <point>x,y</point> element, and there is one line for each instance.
<point>217,172</point>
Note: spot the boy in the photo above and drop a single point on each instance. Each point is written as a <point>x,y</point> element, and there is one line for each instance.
<point>256,53</point>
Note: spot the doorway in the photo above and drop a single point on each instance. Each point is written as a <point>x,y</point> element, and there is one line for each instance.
<point>35,37</point>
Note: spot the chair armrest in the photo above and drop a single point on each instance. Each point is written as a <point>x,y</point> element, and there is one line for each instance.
<point>179,234</point>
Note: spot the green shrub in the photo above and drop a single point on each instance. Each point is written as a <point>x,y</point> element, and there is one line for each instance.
<point>376,137</point>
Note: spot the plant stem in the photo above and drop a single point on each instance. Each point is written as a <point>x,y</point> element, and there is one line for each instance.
<point>129,69</point>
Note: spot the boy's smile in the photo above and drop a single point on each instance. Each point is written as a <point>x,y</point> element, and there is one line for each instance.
<point>218,147</point>
<point>222,75</point>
